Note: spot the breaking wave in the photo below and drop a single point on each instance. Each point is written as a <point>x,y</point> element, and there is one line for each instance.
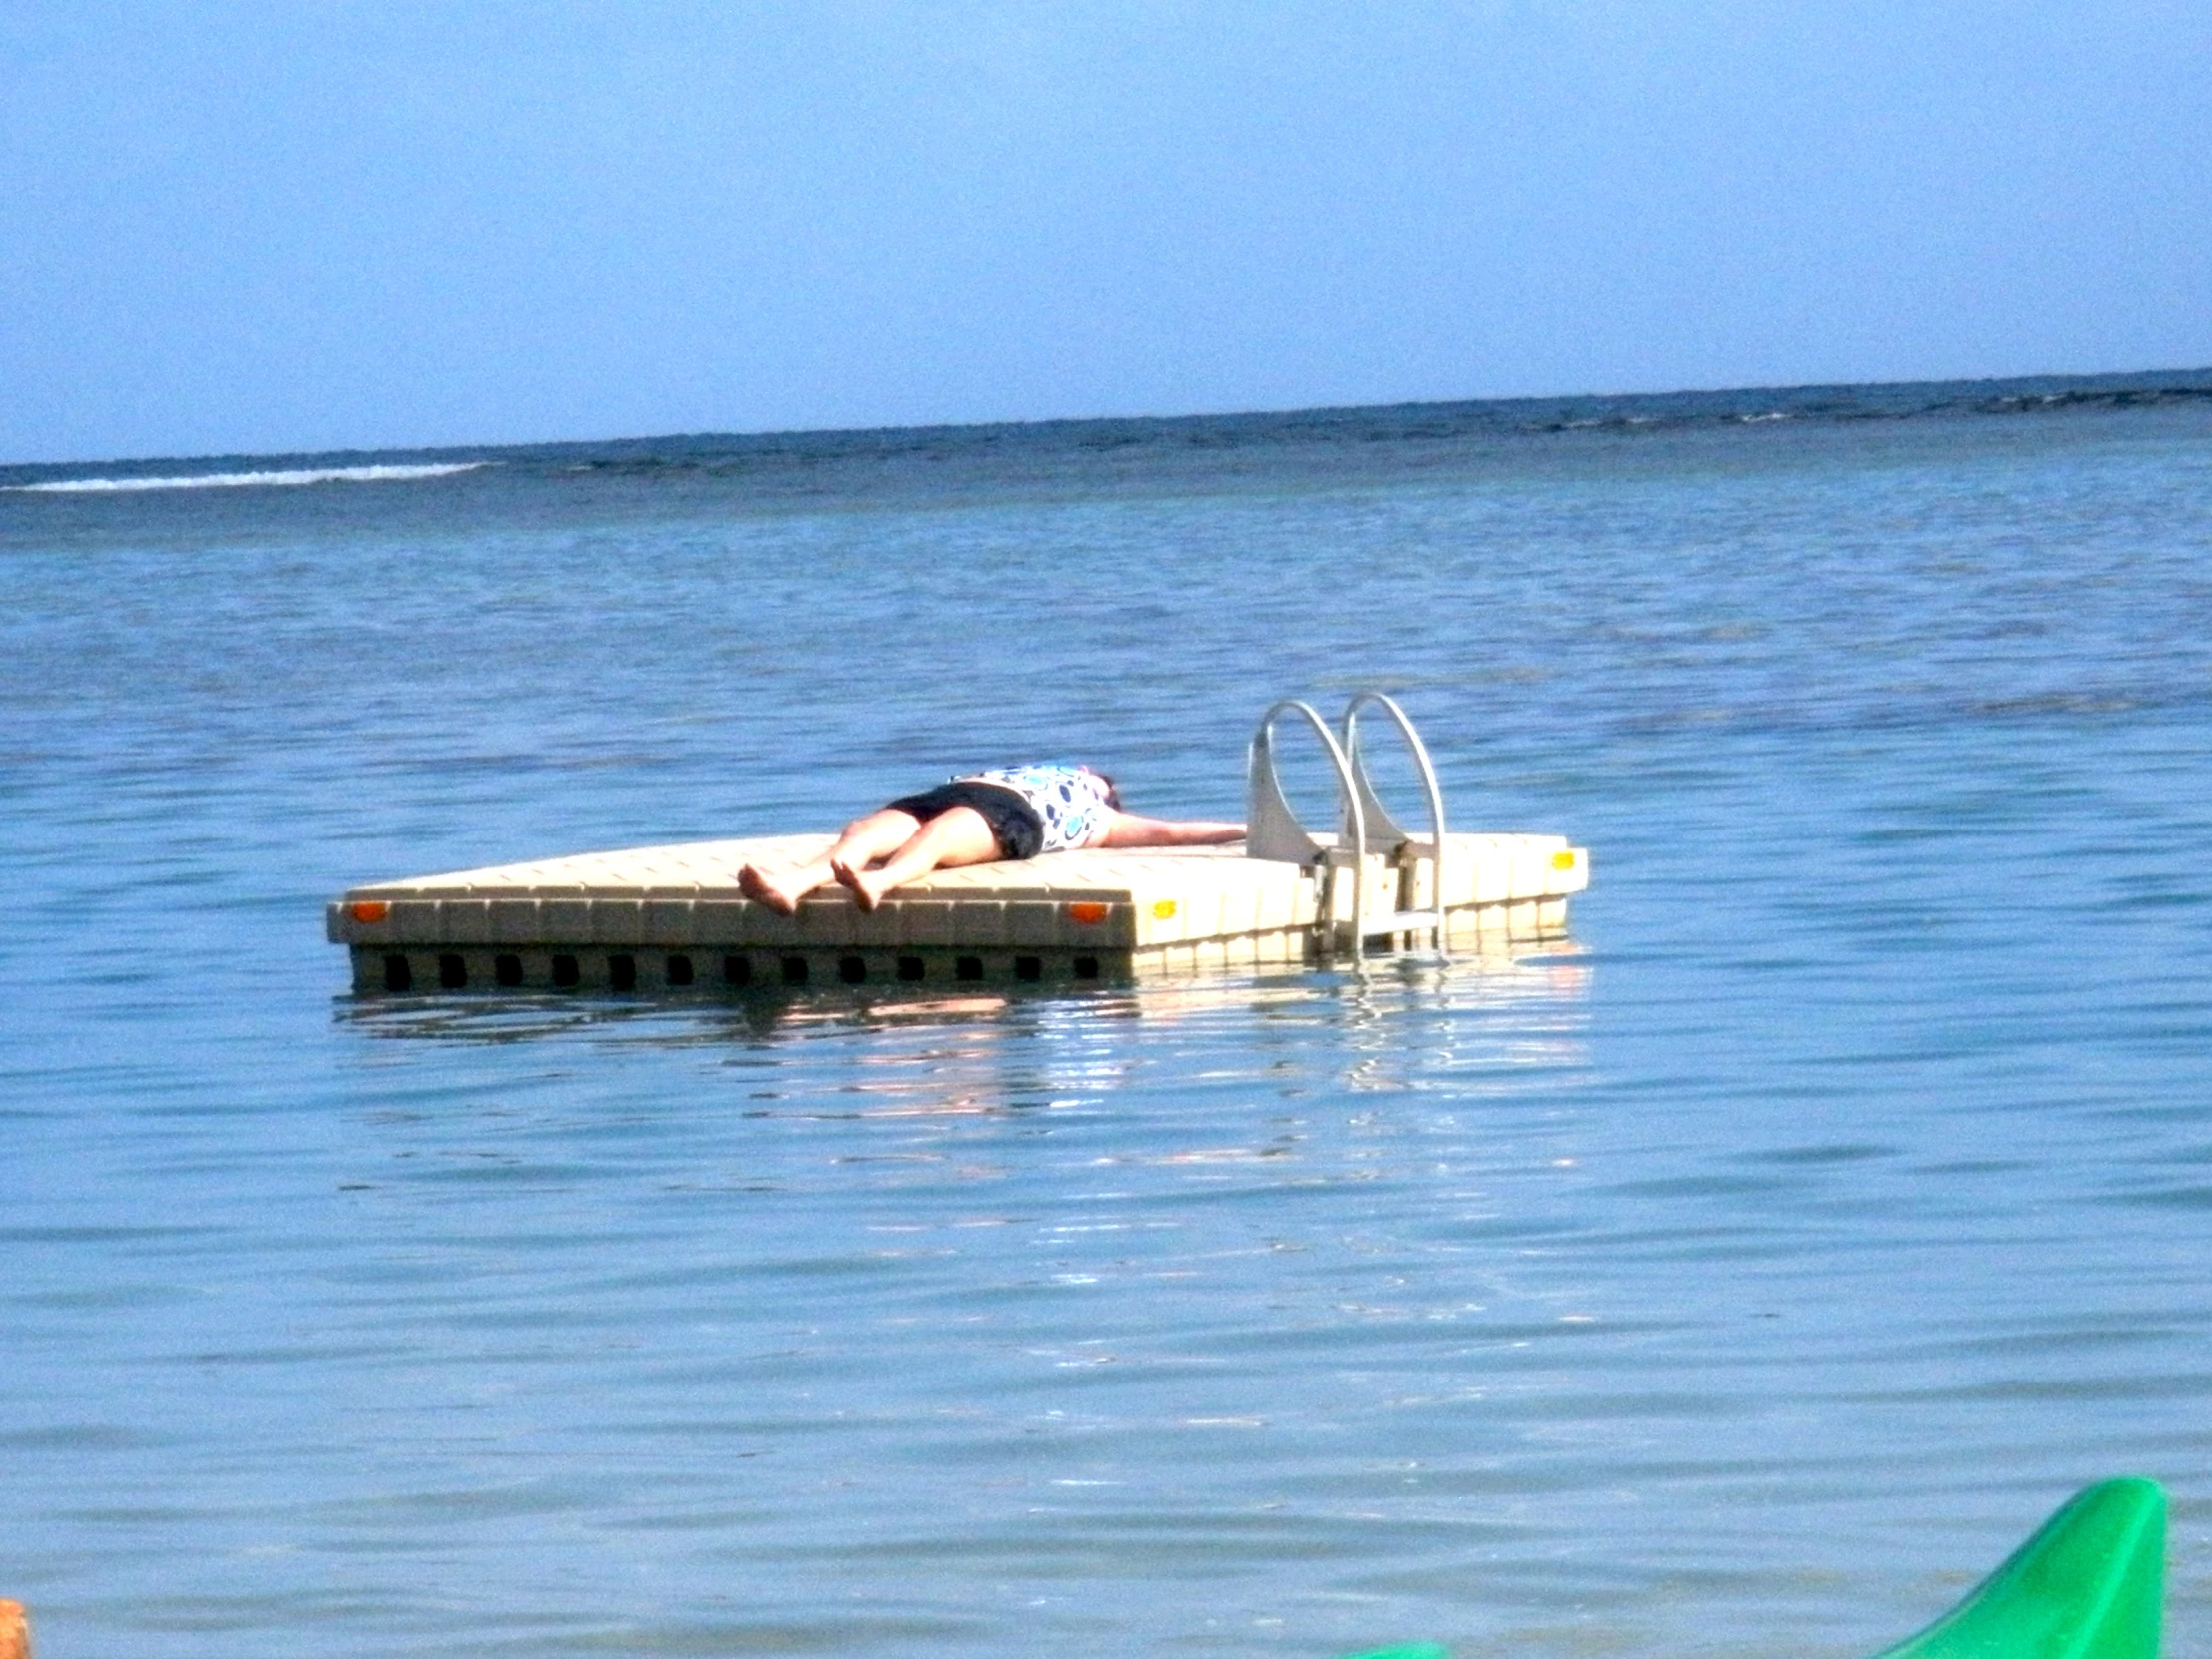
<point>239,480</point>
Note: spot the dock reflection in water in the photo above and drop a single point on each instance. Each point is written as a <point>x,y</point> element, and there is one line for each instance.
<point>1408,1023</point>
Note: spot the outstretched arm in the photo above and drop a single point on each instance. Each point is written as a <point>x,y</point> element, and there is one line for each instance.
<point>1127,830</point>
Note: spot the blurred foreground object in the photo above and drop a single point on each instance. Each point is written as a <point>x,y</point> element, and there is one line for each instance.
<point>2088,1585</point>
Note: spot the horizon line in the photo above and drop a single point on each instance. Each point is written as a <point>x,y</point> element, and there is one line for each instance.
<point>1048,421</point>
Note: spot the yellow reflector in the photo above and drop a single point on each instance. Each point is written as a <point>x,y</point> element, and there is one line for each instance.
<point>1164,908</point>
<point>1087,912</point>
<point>369,909</point>
<point>1562,860</point>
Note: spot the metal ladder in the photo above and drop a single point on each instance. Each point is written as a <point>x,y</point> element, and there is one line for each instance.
<point>1272,829</point>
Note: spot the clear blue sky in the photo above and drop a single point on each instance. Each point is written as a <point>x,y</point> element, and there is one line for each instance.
<point>239,226</point>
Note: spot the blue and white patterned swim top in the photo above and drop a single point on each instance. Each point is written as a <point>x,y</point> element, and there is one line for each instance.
<point>1070,799</point>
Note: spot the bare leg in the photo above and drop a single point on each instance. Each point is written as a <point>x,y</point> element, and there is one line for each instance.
<point>865,839</point>
<point>961,835</point>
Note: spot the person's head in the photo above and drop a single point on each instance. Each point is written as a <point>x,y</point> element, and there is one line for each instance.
<point>1113,792</point>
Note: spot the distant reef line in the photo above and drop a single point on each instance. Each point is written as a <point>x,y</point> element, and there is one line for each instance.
<point>1367,423</point>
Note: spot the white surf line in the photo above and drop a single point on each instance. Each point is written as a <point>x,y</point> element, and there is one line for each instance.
<point>236,480</point>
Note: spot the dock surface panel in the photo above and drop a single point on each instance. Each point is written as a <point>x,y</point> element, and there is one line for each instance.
<point>658,917</point>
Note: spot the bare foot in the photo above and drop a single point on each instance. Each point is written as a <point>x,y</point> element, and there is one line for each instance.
<point>868,887</point>
<point>770,887</point>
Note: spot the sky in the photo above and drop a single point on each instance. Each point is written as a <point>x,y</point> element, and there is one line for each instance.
<point>233,227</point>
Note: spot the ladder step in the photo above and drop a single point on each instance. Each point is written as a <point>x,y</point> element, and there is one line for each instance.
<point>1400,922</point>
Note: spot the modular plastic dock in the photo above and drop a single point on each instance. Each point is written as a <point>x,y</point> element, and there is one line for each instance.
<point>672,917</point>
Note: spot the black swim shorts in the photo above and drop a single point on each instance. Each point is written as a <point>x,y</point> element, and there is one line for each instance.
<point>1014,824</point>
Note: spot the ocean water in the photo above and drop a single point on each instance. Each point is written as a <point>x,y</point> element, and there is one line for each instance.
<point>1743,1276</point>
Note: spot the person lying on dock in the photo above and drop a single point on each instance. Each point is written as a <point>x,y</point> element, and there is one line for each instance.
<point>979,818</point>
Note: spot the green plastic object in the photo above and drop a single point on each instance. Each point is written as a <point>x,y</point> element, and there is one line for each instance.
<point>2090,1586</point>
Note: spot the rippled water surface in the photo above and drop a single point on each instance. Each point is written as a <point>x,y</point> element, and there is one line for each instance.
<point>1744,1275</point>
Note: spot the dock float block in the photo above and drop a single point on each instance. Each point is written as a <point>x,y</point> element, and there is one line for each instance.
<point>658,918</point>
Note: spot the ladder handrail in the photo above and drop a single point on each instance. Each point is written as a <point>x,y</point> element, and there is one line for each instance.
<point>1272,829</point>
<point>1374,812</point>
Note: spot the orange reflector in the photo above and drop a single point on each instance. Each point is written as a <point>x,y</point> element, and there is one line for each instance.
<point>369,910</point>
<point>1164,909</point>
<point>1087,912</point>
<point>1562,860</point>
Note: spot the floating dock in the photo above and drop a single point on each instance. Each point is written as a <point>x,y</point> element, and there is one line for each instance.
<point>672,917</point>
